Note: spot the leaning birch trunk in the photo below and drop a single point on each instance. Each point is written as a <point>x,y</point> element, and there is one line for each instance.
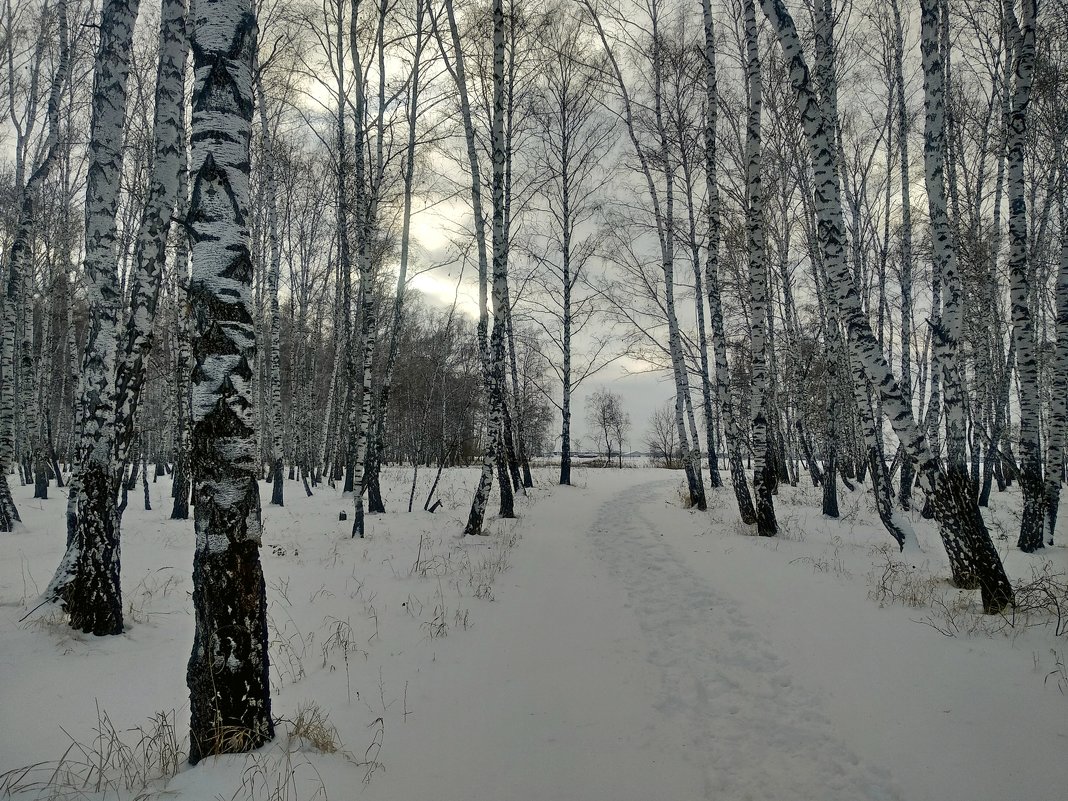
<point>150,249</point>
<point>478,503</point>
<point>87,579</point>
<point>714,479</point>
<point>666,232</point>
<point>973,558</point>
<point>229,691</point>
<point>508,368</point>
<point>907,470</point>
<point>520,415</point>
<point>274,361</point>
<point>732,434</point>
<point>758,281</point>
<point>1058,422</point>
<point>946,333</point>
<point>1021,274</point>
<point>897,524</point>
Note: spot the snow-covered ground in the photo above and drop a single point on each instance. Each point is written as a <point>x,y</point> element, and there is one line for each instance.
<point>609,644</point>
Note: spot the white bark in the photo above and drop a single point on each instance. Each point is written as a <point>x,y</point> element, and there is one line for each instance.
<point>227,675</point>
<point>1021,34</point>
<point>758,279</point>
<point>88,577</point>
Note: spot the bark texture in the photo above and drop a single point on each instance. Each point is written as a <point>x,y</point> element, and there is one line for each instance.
<point>229,691</point>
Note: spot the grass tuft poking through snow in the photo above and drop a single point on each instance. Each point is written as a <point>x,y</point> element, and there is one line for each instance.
<point>112,763</point>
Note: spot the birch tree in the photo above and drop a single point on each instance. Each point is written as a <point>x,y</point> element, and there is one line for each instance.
<point>712,279</point>
<point>574,136</point>
<point>947,331</point>
<point>229,692</point>
<point>87,579</point>
<point>274,269</point>
<point>1021,35</point>
<point>758,280</point>
<point>905,279</point>
<point>487,350</point>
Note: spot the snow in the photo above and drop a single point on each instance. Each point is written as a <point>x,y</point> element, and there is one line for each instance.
<point>609,644</point>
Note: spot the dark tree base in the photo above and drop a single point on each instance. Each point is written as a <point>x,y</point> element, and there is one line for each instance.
<point>1031,524</point>
<point>741,490</point>
<point>974,561</point>
<point>9,515</point>
<point>180,510</point>
<point>375,504</point>
<point>357,520</point>
<point>695,488</point>
<point>830,488</point>
<point>507,495</point>
<point>93,598</point>
<point>227,675</point>
<point>765,505</point>
<point>277,488</point>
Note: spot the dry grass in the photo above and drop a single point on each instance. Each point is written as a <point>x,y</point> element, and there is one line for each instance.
<point>312,727</point>
<point>1041,601</point>
<point>113,763</point>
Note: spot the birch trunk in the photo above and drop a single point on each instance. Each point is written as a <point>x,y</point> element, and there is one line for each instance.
<point>181,483</point>
<point>665,224</point>
<point>367,318</point>
<point>732,434</point>
<point>758,281</point>
<point>274,362</point>
<point>405,237</point>
<point>907,469</point>
<point>87,580</point>
<point>229,691</point>
<point>1021,34</point>
<point>150,249</point>
<point>492,428</point>
<point>1058,424</point>
<point>947,331</point>
<point>499,422</point>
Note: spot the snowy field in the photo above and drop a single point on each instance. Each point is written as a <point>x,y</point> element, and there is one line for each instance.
<point>609,645</point>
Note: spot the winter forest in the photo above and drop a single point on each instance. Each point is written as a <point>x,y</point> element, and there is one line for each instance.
<point>533,399</point>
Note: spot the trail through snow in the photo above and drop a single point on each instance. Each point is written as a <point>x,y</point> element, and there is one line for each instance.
<point>612,672</point>
<point>755,734</point>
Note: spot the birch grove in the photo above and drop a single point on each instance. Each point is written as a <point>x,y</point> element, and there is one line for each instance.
<point>389,238</point>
